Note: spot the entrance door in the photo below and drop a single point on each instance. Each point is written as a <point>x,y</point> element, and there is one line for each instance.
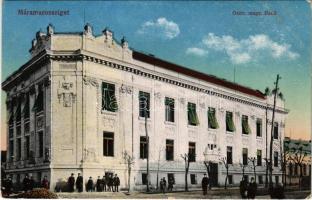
<point>214,174</point>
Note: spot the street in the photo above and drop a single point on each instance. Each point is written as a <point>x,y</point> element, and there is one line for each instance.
<point>212,194</point>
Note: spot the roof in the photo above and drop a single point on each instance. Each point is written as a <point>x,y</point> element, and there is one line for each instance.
<point>196,74</point>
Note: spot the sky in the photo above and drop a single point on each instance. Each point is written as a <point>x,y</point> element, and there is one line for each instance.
<point>211,37</point>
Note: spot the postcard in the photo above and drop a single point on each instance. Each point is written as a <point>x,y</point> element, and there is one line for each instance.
<point>156,99</point>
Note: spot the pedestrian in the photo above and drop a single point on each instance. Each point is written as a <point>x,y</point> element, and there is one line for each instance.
<point>163,185</point>
<point>90,185</point>
<point>170,184</point>
<point>110,183</point>
<point>104,184</point>
<point>71,183</point>
<point>45,183</point>
<point>31,183</point>
<point>99,184</point>
<point>8,186</point>
<point>205,183</point>
<point>116,182</point>
<point>26,183</point>
<point>243,188</point>
<point>252,189</point>
<point>79,183</point>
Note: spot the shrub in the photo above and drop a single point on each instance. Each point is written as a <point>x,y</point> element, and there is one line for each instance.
<point>39,193</point>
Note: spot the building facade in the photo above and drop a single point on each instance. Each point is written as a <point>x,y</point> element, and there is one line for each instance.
<point>81,101</point>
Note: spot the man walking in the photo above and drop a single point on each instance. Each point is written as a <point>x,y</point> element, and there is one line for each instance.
<point>252,189</point>
<point>45,183</point>
<point>170,184</point>
<point>71,183</point>
<point>116,183</point>
<point>79,183</point>
<point>104,184</point>
<point>205,183</point>
<point>90,185</point>
<point>99,184</point>
<point>243,188</point>
<point>31,183</point>
<point>26,183</point>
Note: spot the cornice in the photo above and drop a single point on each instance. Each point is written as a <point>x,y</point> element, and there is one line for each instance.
<point>78,55</point>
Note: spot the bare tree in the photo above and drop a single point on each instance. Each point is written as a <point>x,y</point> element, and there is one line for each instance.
<point>226,165</point>
<point>284,156</point>
<point>253,161</point>
<point>243,168</point>
<point>129,161</point>
<point>297,154</point>
<point>188,158</point>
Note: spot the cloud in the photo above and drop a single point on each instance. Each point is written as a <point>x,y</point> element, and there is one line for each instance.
<point>196,51</point>
<point>162,27</point>
<point>249,49</point>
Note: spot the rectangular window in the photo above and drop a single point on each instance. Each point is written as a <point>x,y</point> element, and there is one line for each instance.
<point>18,130</point>
<point>229,155</point>
<point>11,132</point>
<point>171,176</point>
<point>193,179</point>
<point>39,102</point>
<point>230,178</point>
<point>276,179</point>
<point>245,156</point>
<point>245,126</point>
<point>144,178</point>
<point>108,144</point>
<point>169,106</point>
<point>11,111</point>
<point>275,159</point>
<point>296,169</point>
<point>143,147</point>
<point>109,101</point>
<point>144,104</point>
<point>259,127</point>
<point>290,169</point>
<point>26,110</point>
<point>11,149</point>
<point>18,149</point>
<point>26,128</point>
<point>304,169</point>
<point>192,151</point>
<point>259,157</point>
<point>191,114</point>
<point>169,149</point>
<point>27,147</point>
<point>275,135</point>
<point>260,178</point>
<point>229,122</point>
<point>246,177</point>
<point>40,145</point>
<point>212,120</point>
<point>18,112</point>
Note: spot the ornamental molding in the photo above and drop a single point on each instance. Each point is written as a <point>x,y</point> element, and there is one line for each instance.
<point>66,93</point>
<point>125,89</point>
<point>78,56</point>
<point>90,81</point>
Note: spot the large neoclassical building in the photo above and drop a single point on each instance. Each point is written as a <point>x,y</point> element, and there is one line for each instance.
<point>82,100</point>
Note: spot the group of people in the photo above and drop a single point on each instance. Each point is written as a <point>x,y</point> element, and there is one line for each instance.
<point>248,190</point>
<point>28,184</point>
<point>108,183</point>
<point>163,184</point>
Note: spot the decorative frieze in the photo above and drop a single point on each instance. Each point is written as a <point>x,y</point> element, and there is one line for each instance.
<point>90,81</point>
<point>125,89</point>
<point>66,93</point>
